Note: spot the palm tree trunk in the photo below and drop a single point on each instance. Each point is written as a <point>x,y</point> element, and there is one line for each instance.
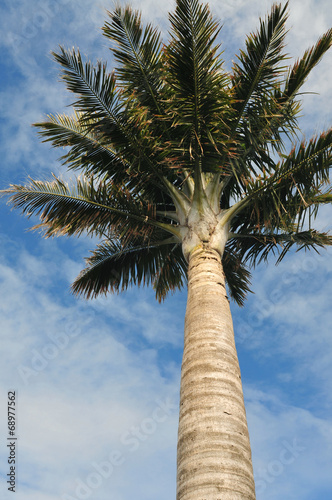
<point>214,456</point>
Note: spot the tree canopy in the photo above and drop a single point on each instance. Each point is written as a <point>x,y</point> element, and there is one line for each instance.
<point>169,137</point>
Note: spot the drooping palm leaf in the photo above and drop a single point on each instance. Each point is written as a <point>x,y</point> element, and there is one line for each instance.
<point>237,275</point>
<point>257,247</point>
<point>114,267</point>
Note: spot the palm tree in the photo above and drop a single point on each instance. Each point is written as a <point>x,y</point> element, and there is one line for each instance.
<point>185,179</point>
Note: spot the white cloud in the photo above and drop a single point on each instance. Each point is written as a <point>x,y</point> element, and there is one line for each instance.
<point>288,320</point>
<point>83,391</point>
<point>292,445</point>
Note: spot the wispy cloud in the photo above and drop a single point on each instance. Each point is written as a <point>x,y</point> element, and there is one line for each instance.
<point>83,389</point>
<point>293,447</point>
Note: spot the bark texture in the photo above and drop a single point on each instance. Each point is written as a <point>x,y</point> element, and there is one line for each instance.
<point>214,455</point>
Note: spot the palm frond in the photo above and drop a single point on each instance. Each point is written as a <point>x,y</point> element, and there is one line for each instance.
<point>100,210</point>
<point>89,150</point>
<point>139,54</point>
<point>236,274</point>
<point>255,82</point>
<point>125,125</point>
<point>114,267</point>
<point>172,272</point>
<point>267,114</point>
<point>93,153</point>
<point>99,104</point>
<point>281,199</point>
<point>309,163</point>
<point>194,72</point>
<point>94,86</point>
<point>282,117</point>
<point>257,247</point>
<point>277,121</point>
<point>261,63</point>
<point>298,74</point>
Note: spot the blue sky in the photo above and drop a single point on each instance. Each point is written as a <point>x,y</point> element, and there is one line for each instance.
<point>98,381</point>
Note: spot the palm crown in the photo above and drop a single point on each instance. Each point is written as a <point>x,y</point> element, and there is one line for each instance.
<point>171,147</point>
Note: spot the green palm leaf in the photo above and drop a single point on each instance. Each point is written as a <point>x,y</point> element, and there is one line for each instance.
<point>98,97</point>
<point>195,75</point>
<point>88,149</point>
<point>236,274</point>
<point>255,248</point>
<point>106,209</point>
<point>114,267</point>
<point>298,74</point>
<point>92,151</point>
<point>139,54</point>
<point>282,118</point>
<point>280,199</point>
<point>254,81</point>
<point>260,65</point>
